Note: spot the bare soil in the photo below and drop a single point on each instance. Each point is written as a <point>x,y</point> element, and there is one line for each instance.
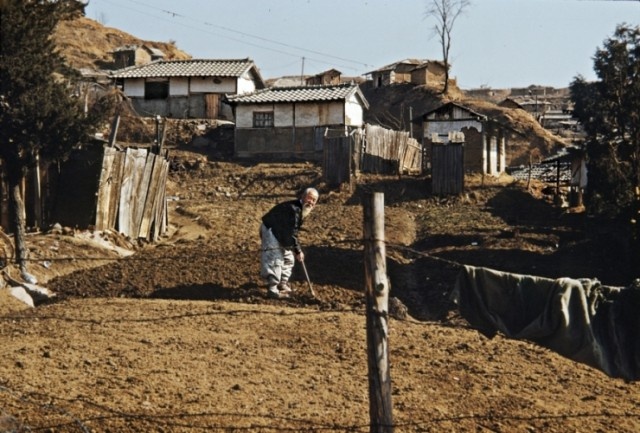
<point>179,337</point>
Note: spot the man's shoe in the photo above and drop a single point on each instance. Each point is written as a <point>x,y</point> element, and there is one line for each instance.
<point>284,287</point>
<point>276,295</point>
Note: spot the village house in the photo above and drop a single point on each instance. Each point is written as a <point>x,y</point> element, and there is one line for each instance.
<point>287,122</point>
<point>428,73</point>
<point>188,88</point>
<point>414,71</point>
<point>510,103</point>
<point>482,141</point>
<point>135,55</point>
<point>332,76</point>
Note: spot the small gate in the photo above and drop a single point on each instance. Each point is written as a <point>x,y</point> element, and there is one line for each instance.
<point>336,157</point>
<point>447,168</point>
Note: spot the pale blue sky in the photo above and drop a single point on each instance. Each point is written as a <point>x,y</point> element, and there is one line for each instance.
<point>495,43</point>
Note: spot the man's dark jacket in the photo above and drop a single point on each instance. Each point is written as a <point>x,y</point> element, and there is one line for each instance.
<point>284,220</point>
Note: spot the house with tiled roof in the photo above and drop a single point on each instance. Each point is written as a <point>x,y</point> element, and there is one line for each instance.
<point>286,122</point>
<point>188,88</point>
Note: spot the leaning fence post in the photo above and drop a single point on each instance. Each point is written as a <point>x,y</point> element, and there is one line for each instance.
<point>377,285</point>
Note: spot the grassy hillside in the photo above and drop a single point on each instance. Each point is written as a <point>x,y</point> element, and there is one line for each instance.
<point>85,43</point>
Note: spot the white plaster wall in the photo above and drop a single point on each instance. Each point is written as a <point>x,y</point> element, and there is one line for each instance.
<point>178,86</point>
<point>493,156</point>
<point>208,85</point>
<point>244,116</point>
<point>245,84</point>
<point>283,115</point>
<point>307,115</point>
<point>134,87</point>
<point>503,156</point>
<point>354,113</point>
<point>336,114</point>
<point>443,128</point>
<point>325,113</point>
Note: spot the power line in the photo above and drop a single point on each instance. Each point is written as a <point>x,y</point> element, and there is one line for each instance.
<point>175,15</point>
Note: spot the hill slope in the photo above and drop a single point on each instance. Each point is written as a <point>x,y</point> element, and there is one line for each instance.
<point>85,43</point>
<point>394,106</point>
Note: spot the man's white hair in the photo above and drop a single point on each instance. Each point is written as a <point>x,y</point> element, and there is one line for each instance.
<point>312,191</point>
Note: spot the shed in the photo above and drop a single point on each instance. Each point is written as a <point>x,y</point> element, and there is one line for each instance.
<point>429,73</point>
<point>484,139</point>
<point>290,122</point>
<point>188,88</point>
<point>135,55</point>
<point>398,72</point>
<point>571,167</point>
<point>332,76</point>
<point>510,103</point>
<point>415,71</point>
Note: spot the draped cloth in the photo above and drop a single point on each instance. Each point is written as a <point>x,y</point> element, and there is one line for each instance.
<point>578,318</point>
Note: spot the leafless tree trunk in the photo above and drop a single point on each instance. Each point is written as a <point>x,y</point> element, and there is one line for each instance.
<point>19,221</point>
<point>445,12</point>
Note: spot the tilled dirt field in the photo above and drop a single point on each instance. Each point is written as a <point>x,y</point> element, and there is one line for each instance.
<point>179,336</point>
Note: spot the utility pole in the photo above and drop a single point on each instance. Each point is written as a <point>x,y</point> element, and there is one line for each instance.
<point>302,73</point>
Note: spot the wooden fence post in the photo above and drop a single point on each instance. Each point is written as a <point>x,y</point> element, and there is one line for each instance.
<point>377,284</point>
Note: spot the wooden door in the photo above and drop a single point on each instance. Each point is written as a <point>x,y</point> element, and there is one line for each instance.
<point>212,102</point>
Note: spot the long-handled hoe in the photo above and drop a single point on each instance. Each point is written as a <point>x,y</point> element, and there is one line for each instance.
<point>306,274</point>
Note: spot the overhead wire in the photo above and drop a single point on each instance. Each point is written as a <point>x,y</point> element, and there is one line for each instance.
<point>174,15</point>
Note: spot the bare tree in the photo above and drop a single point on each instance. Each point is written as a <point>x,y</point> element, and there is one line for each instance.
<point>445,12</point>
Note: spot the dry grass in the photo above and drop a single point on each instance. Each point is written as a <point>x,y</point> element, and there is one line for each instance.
<point>85,43</point>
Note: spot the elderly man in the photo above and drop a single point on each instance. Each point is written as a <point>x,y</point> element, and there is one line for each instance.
<point>280,245</point>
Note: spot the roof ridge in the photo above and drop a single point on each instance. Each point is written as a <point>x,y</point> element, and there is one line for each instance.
<point>314,86</point>
<point>246,59</point>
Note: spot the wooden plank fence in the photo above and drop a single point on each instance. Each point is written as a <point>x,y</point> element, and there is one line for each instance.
<point>371,150</point>
<point>388,151</point>
<point>132,194</point>
<point>122,190</point>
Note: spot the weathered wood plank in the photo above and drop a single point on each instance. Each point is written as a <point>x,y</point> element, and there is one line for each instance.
<point>133,171</point>
<point>104,189</point>
<point>152,197</point>
<point>388,151</point>
<point>114,194</point>
<point>141,194</point>
<point>160,202</point>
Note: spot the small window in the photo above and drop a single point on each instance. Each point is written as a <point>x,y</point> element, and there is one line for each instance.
<point>263,119</point>
<point>156,90</point>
